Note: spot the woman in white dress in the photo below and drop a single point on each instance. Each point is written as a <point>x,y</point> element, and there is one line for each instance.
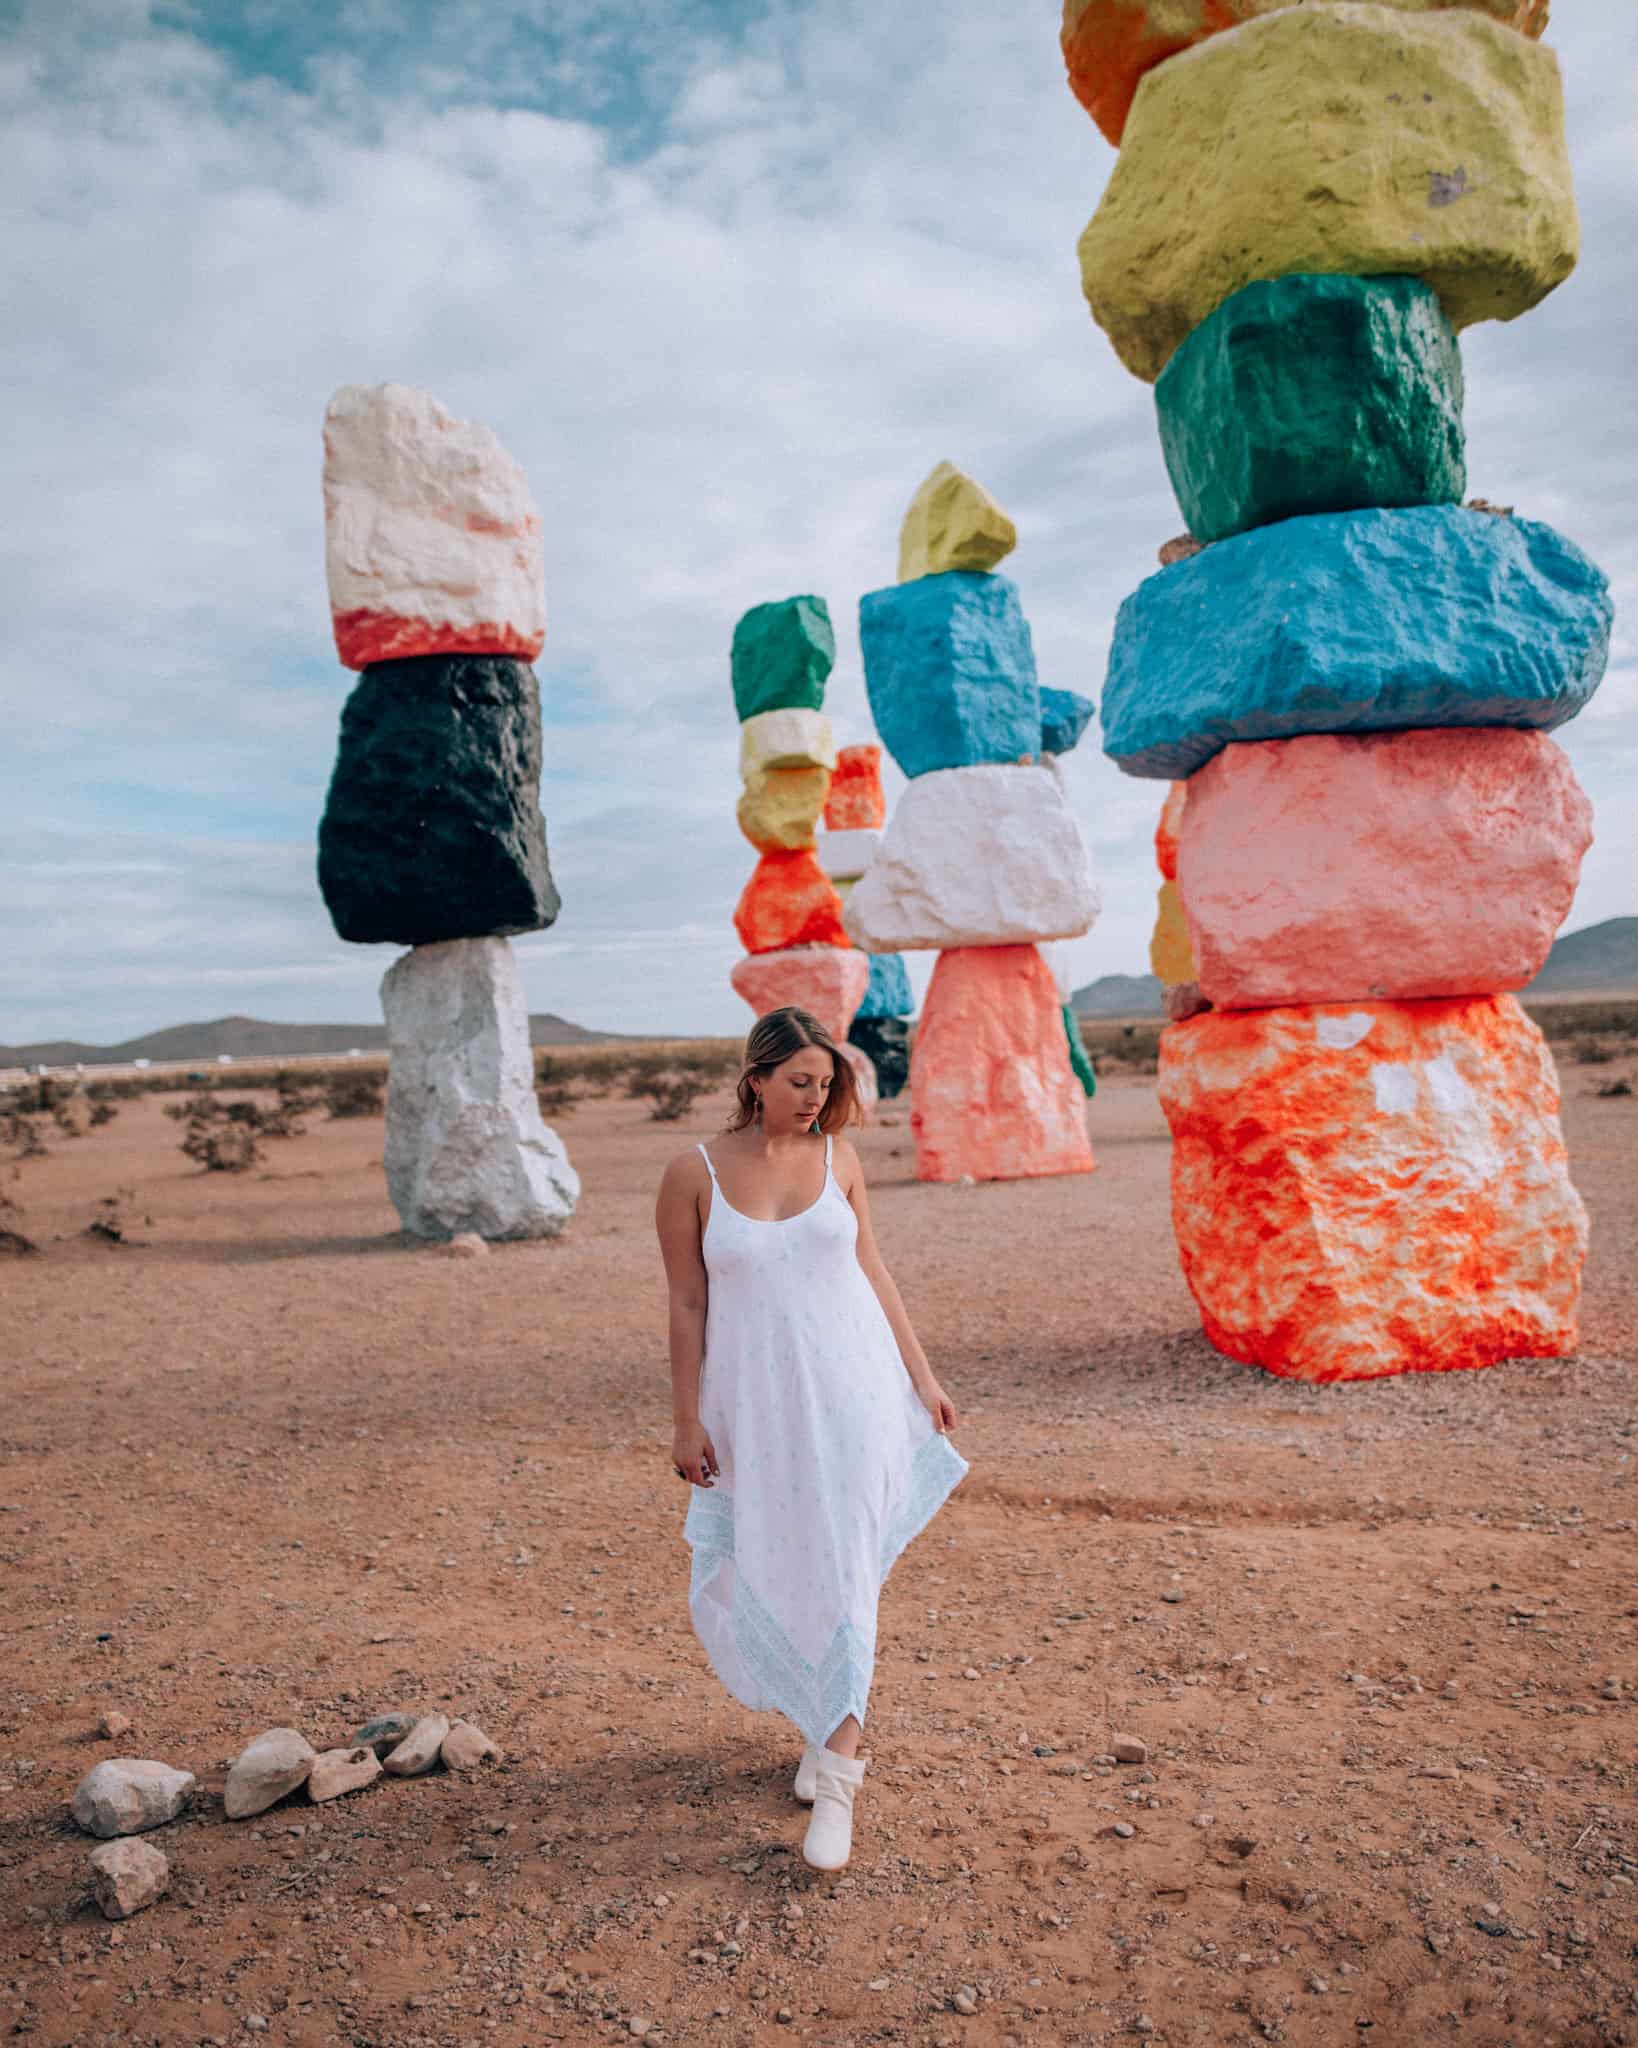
<point>807,1418</point>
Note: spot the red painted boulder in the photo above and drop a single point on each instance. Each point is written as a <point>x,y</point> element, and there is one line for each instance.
<point>856,802</point>
<point>1373,1190</point>
<point>993,1094</point>
<point>1339,867</point>
<point>432,543</point>
<point>1108,45</point>
<point>789,902</point>
<point>824,980</point>
<point>1167,830</point>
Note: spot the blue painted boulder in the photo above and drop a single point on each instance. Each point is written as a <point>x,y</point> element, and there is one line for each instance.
<point>888,993</point>
<point>1064,717</point>
<point>1354,622</point>
<point>950,670</point>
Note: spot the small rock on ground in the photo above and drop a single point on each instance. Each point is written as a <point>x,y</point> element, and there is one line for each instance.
<point>466,1746</point>
<point>418,1751</point>
<point>342,1770</point>
<point>125,1794</point>
<point>126,1876</point>
<point>268,1770</point>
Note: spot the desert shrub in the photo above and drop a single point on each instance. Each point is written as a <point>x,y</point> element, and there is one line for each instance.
<point>555,1089</point>
<point>672,1095</point>
<point>222,1148</point>
<point>102,1112</point>
<point>22,1134</point>
<point>109,1220</point>
<point>197,1109</point>
<point>1619,1085</point>
<point>355,1093</point>
<point>1590,1052</point>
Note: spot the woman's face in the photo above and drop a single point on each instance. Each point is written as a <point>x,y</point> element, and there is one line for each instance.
<point>794,1092</point>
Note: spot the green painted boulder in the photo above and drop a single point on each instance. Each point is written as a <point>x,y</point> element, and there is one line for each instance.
<point>1079,1058</point>
<point>1314,394</point>
<point>782,655</point>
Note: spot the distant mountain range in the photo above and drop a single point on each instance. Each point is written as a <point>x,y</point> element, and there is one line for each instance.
<point>250,1038</point>
<point>1601,959</point>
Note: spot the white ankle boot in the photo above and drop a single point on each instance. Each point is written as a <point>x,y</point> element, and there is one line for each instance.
<point>807,1774</point>
<point>829,1840</point>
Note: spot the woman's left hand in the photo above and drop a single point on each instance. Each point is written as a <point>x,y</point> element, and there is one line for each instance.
<point>938,1405</point>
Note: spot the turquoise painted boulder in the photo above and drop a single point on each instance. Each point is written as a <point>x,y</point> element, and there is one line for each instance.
<point>888,992</point>
<point>1354,622</point>
<point>950,671</point>
<point>1314,394</point>
<point>1064,717</point>
<point>782,655</point>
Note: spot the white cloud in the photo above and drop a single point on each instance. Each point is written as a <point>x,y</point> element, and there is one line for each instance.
<point>725,358</point>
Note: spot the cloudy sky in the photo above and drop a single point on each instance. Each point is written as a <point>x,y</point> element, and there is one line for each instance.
<point>727,276</point>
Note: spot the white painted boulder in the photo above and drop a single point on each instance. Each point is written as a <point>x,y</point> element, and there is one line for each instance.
<point>981,856</point>
<point>467,1149</point>
<point>844,856</point>
<point>793,737</point>
<point>432,541</point>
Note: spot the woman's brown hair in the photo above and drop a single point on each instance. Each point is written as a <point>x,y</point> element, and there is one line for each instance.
<point>774,1039</point>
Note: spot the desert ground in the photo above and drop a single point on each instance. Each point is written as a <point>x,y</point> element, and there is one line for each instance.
<point>267,1462</point>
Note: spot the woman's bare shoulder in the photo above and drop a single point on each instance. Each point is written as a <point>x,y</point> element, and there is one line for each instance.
<point>684,1171</point>
<point>845,1160</point>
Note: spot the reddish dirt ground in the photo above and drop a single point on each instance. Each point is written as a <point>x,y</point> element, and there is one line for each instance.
<point>268,1463</point>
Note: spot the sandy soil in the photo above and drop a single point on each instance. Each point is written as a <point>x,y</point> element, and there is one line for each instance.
<point>271,1464</point>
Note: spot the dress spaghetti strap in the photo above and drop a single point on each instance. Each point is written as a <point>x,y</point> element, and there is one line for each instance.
<point>712,1171</point>
<point>827,1154</point>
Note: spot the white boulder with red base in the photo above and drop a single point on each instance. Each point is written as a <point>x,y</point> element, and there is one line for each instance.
<point>432,542</point>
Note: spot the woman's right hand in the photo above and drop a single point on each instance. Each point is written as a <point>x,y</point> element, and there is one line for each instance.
<point>693,1455</point>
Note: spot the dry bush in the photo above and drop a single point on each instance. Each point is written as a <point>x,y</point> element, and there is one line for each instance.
<point>22,1134</point>
<point>102,1112</point>
<point>13,1243</point>
<point>555,1090</point>
<point>356,1092</point>
<point>1618,1085</point>
<point>110,1221</point>
<point>673,1095</point>
<point>222,1147</point>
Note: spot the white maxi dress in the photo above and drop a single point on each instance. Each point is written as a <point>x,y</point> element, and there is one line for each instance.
<point>830,1464</point>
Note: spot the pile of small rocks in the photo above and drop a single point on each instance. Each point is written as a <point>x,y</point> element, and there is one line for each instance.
<point>126,1796</point>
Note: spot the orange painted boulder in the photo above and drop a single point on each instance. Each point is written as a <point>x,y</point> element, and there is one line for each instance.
<point>856,802</point>
<point>1166,832</point>
<point>1108,45</point>
<point>993,1094</point>
<point>1373,1190</point>
<point>1336,867</point>
<point>826,981</point>
<point>788,902</point>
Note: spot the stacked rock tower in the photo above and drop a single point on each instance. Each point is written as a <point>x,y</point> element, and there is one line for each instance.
<point>855,812</point>
<point>1356,674</point>
<point>432,835</point>
<point>982,858</point>
<point>789,916</point>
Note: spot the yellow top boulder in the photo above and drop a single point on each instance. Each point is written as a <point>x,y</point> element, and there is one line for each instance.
<point>1109,45</point>
<point>1353,139</point>
<point>953,523</point>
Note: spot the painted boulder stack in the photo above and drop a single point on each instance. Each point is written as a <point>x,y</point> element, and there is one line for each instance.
<point>982,858</point>
<point>432,835</point>
<point>1370,839</point>
<point>855,812</point>
<point>789,916</point>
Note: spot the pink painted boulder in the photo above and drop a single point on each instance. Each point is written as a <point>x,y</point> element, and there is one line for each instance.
<point>1373,1190</point>
<point>1396,865</point>
<point>992,1092</point>
<point>827,981</point>
<point>431,539</point>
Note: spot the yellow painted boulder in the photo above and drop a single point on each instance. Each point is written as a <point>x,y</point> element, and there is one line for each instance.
<point>781,807</point>
<point>1353,139</point>
<point>953,523</point>
<point>1109,45</point>
<point>1171,956</point>
<point>793,738</point>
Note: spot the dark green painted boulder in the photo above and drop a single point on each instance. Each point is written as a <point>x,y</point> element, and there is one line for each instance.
<point>1079,1058</point>
<point>432,828</point>
<point>1314,394</point>
<point>782,654</point>
<point>885,1041</point>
